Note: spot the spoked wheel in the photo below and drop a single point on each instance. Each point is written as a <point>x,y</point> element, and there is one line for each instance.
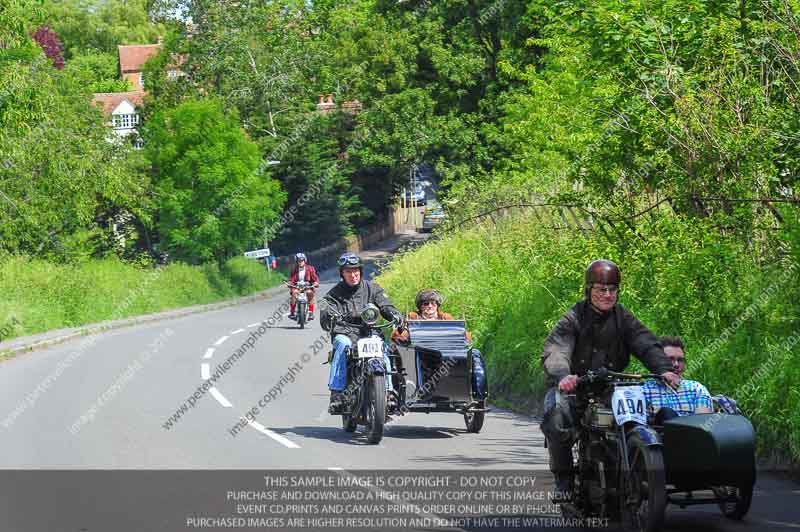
<point>376,408</point>
<point>737,508</point>
<point>646,497</point>
<point>348,423</point>
<point>474,420</point>
<point>301,316</point>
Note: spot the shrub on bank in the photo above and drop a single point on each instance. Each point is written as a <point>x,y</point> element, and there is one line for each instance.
<point>40,296</point>
<point>736,313</point>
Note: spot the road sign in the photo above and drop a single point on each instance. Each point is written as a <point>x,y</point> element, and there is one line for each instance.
<point>257,253</point>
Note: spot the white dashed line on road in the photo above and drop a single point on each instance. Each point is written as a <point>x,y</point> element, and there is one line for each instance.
<point>221,340</point>
<point>219,397</point>
<point>253,325</point>
<point>274,435</point>
<point>205,371</point>
<point>237,331</point>
<point>209,352</point>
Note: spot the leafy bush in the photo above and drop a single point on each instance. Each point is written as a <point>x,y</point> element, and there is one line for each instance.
<point>44,296</point>
<point>512,283</point>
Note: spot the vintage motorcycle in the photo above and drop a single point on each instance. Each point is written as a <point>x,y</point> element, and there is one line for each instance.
<point>617,458</point>
<point>365,394</point>
<point>302,302</point>
<point>628,468</point>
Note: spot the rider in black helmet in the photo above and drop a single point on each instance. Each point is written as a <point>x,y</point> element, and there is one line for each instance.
<point>347,299</point>
<point>596,332</point>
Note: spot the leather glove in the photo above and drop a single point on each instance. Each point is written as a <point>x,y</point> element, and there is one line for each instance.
<point>397,320</point>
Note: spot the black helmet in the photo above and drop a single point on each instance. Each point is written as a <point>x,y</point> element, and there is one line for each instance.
<point>602,271</point>
<point>350,260</point>
<point>300,256</point>
<point>429,294</point>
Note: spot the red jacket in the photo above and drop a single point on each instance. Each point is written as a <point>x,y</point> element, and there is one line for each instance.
<point>311,275</point>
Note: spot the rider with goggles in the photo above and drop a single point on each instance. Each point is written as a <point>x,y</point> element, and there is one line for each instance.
<point>347,299</point>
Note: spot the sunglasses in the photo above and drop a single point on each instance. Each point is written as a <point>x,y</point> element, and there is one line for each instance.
<point>434,303</point>
<point>605,289</point>
<point>352,260</point>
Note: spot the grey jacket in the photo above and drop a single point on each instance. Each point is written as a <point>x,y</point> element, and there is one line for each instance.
<point>348,301</point>
<point>583,340</point>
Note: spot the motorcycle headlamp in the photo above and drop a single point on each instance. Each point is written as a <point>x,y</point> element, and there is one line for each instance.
<point>370,315</point>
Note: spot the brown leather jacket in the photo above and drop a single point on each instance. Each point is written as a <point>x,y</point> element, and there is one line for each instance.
<point>402,336</point>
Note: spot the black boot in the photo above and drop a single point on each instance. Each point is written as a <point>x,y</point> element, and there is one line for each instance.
<point>336,405</point>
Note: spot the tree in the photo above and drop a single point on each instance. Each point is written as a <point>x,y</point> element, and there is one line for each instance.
<point>60,179</point>
<point>112,22</point>
<point>51,46</point>
<point>212,199</point>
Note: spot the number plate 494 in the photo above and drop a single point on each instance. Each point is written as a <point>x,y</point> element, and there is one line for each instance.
<point>629,405</point>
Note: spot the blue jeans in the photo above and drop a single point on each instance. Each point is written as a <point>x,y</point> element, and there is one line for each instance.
<point>337,380</point>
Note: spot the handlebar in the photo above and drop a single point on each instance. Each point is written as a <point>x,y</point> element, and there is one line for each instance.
<point>308,286</point>
<point>605,375</point>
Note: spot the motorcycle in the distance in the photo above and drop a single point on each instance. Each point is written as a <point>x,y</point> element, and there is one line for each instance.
<point>365,394</point>
<point>301,311</point>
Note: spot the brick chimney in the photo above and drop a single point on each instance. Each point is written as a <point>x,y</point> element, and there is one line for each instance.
<point>326,104</point>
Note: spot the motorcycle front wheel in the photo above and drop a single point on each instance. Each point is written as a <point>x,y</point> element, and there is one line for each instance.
<point>301,315</point>
<point>376,408</point>
<point>646,495</point>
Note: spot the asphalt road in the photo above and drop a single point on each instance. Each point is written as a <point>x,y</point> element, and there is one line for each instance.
<point>88,416</point>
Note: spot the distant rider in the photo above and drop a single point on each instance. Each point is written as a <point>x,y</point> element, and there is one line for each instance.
<point>347,299</point>
<point>595,333</point>
<point>303,271</point>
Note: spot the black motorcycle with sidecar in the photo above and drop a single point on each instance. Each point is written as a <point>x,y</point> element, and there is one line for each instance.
<point>628,469</point>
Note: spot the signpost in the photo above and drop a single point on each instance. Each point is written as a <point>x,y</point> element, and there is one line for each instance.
<point>258,253</point>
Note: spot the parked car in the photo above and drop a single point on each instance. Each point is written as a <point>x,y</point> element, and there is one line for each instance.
<point>416,194</point>
<point>433,217</point>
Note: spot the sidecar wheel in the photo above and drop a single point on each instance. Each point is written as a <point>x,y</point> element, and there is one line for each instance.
<point>349,423</point>
<point>738,509</point>
<point>646,490</point>
<point>474,420</point>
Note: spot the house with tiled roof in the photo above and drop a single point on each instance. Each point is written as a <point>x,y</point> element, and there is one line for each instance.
<point>132,59</point>
<point>121,107</point>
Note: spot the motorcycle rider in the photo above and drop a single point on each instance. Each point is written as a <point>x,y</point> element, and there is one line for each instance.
<point>429,303</point>
<point>347,299</point>
<point>596,332</point>
<point>690,398</point>
<point>302,271</point>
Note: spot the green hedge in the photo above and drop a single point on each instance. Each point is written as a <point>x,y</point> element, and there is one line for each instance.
<point>737,316</point>
<point>40,296</point>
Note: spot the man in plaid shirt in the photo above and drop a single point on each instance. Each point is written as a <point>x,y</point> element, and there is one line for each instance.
<point>691,397</point>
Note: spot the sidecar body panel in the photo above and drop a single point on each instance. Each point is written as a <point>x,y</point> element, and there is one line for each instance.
<point>704,450</point>
<point>436,363</point>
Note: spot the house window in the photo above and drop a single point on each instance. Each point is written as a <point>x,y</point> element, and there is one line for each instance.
<point>141,79</point>
<point>172,73</point>
<point>125,121</point>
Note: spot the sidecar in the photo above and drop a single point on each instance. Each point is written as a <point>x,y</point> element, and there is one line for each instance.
<point>710,458</point>
<point>437,372</point>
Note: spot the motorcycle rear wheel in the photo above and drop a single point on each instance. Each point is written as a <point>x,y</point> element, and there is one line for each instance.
<point>376,408</point>
<point>646,487</point>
